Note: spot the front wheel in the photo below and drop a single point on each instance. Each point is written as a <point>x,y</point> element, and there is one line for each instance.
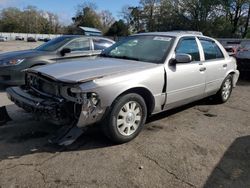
<point>126,118</point>
<point>226,89</point>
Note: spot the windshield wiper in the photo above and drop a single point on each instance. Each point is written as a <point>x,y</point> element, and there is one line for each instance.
<point>129,58</point>
<point>120,57</point>
<point>105,55</point>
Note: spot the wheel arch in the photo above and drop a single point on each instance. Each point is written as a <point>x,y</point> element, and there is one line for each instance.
<point>145,94</point>
<point>235,74</point>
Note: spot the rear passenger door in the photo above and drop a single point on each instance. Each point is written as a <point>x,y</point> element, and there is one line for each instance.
<point>216,66</point>
<point>185,81</point>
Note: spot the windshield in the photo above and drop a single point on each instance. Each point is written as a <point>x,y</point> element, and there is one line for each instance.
<point>151,49</point>
<point>245,46</point>
<point>54,44</point>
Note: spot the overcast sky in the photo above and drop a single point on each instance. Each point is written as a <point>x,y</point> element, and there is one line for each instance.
<point>67,8</point>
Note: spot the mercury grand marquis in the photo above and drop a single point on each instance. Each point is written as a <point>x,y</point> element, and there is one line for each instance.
<point>137,77</point>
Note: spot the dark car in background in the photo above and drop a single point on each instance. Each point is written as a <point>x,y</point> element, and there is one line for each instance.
<point>47,39</point>
<point>243,58</point>
<point>31,39</point>
<point>12,64</point>
<point>44,39</point>
<point>19,38</point>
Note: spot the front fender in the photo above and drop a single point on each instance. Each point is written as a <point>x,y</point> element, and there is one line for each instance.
<point>109,88</point>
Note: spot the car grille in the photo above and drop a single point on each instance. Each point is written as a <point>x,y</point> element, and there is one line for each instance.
<point>43,85</point>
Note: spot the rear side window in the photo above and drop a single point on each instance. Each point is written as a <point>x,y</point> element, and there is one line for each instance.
<point>189,46</point>
<point>211,50</point>
<point>100,44</point>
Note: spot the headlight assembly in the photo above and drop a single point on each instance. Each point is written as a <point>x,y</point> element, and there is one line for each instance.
<point>12,62</point>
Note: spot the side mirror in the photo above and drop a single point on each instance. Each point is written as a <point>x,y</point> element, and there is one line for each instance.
<point>183,58</point>
<point>65,51</point>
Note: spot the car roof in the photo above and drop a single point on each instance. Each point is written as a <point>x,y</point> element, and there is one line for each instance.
<point>176,34</point>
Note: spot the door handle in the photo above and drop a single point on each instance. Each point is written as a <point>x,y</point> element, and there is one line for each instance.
<point>225,65</point>
<point>202,69</point>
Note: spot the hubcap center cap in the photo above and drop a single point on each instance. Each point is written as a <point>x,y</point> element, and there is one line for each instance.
<point>130,118</point>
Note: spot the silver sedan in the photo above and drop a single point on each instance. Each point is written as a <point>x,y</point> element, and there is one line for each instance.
<point>137,77</point>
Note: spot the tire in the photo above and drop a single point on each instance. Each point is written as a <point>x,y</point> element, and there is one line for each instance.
<point>226,89</point>
<point>126,118</point>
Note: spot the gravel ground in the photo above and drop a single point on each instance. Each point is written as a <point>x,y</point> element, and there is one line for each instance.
<point>200,145</point>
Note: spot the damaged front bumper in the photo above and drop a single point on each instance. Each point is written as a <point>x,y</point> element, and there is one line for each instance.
<point>58,111</point>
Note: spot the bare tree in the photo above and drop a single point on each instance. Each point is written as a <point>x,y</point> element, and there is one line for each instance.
<point>247,21</point>
<point>107,20</point>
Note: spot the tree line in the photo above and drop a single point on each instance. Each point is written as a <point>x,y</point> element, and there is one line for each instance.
<point>217,18</point>
<point>29,20</point>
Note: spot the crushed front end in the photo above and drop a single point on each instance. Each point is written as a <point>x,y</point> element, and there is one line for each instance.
<point>56,101</point>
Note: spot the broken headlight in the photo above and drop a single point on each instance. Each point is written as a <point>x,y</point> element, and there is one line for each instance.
<point>84,97</point>
<point>93,97</point>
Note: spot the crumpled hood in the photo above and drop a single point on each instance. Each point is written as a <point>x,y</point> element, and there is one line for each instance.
<point>90,69</point>
<point>20,54</point>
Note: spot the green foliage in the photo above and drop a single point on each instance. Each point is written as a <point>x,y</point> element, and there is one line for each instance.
<point>29,20</point>
<point>87,16</point>
<point>119,28</point>
<point>218,18</point>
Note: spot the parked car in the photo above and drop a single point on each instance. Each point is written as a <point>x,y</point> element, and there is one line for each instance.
<point>47,39</point>
<point>31,39</point>
<point>40,39</point>
<point>64,47</point>
<point>44,39</point>
<point>19,38</point>
<point>243,58</point>
<point>231,50</point>
<point>142,75</point>
<point>3,39</point>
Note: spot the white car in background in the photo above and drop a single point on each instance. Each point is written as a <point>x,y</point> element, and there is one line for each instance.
<point>3,39</point>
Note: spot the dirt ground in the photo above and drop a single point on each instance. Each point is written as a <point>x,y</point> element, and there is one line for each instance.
<point>17,45</point>
<point>200,145</point>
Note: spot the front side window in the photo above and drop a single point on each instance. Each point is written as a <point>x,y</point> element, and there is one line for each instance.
<point>54,44</point>
<point>211,50</point>
<point>152,49</point>
<point>79,45</point>
<point>189,46</point>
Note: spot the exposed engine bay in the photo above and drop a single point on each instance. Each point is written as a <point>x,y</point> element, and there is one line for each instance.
<point>58,102</point>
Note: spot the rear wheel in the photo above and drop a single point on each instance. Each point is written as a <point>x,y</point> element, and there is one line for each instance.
<point>226,89</point>
<point>126,118</point>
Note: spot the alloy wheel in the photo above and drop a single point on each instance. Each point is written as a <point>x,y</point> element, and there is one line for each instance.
<point>129,118</point>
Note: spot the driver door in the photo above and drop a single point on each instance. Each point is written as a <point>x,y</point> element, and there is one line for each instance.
<point>185,81</point>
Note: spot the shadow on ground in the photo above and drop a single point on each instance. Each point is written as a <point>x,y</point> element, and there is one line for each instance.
<point>233,170</point>
<point>26,136</point>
